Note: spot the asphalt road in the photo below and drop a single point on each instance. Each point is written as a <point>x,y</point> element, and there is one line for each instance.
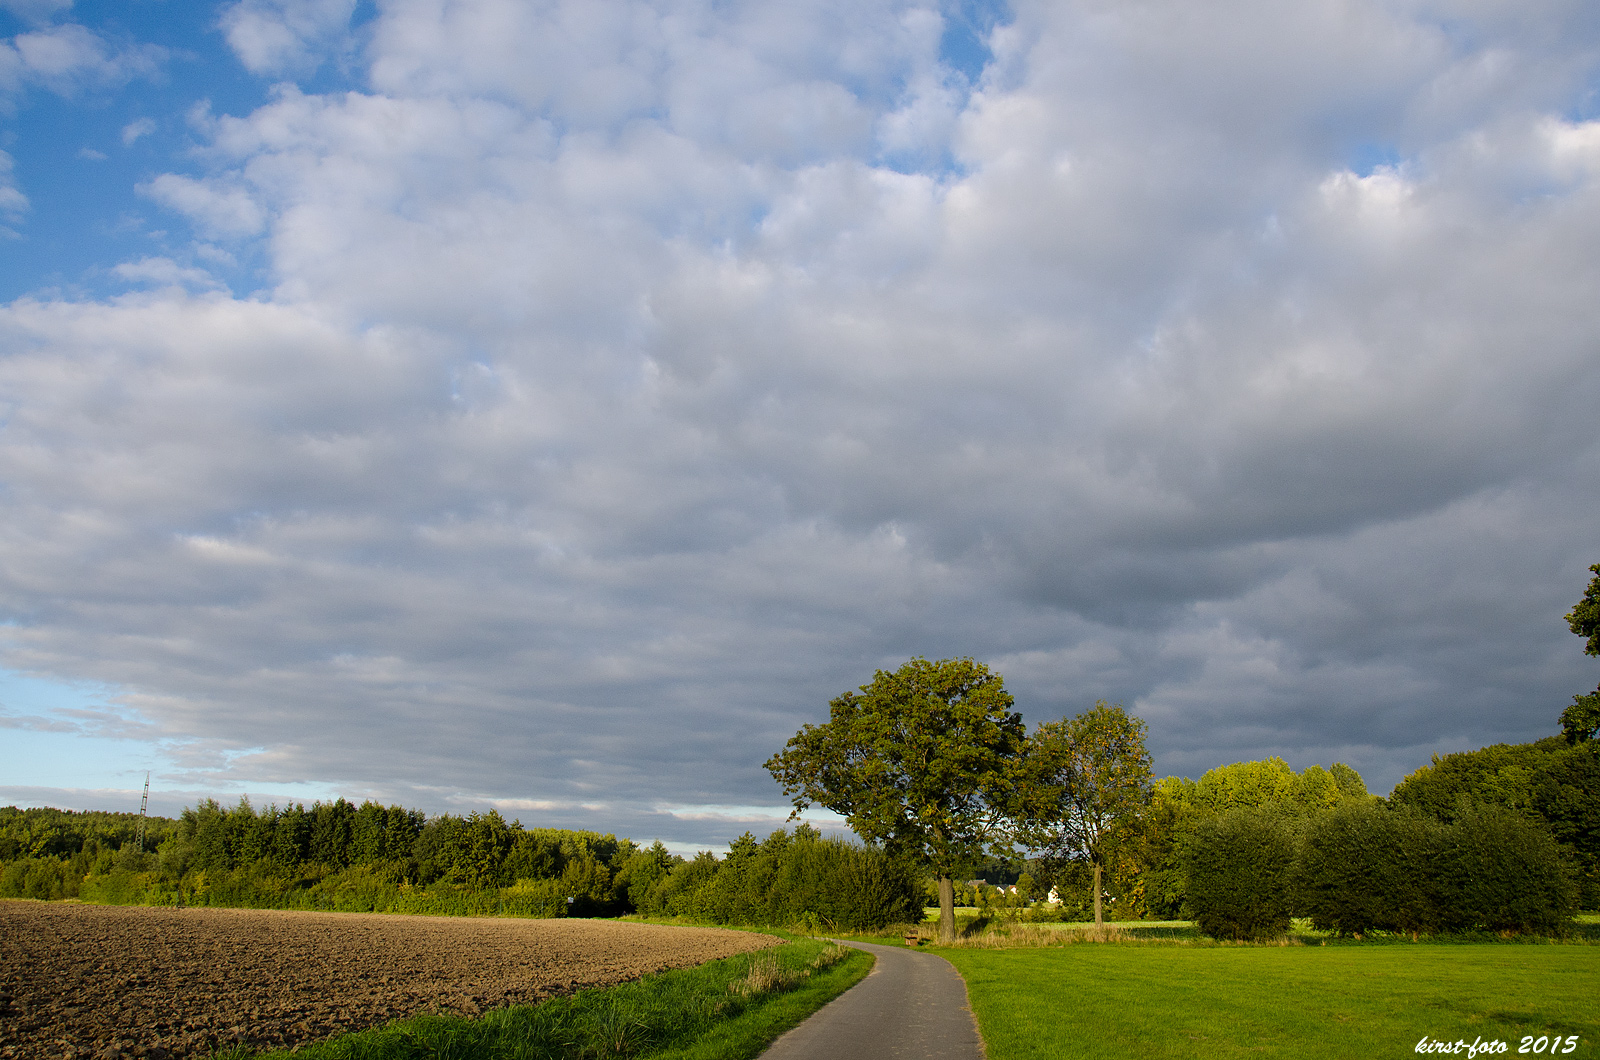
<point>911,1006</point>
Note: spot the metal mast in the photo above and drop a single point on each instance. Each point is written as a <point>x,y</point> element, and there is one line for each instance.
<point>143,802</point>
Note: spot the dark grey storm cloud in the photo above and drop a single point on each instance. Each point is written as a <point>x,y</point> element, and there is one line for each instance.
<point>629,380</point>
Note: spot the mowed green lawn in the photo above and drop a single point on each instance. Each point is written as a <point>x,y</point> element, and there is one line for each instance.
<point>1151,1001</point>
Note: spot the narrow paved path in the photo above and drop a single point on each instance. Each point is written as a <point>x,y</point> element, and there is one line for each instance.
<point>912,1006</point>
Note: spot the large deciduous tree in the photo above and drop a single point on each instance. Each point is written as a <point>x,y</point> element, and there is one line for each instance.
<point>1581,721</point>
<point>919,760</point>
<point>1084,778</point>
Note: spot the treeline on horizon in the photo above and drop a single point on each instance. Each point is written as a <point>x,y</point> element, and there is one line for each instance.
<point>374,858</point>
<point>1550,785</point>
<point>1528,813</point>
<point>1504,839</point>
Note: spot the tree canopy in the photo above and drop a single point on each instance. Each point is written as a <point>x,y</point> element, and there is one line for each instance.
<point>1584,618</point>
<point>919,760</point>
<point>1550,779</point>
<point>1084,778</point>
<point>1268,782</point>
<point>1581,720</point>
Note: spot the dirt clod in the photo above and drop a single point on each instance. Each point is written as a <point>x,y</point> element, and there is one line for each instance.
<point>81,981</point>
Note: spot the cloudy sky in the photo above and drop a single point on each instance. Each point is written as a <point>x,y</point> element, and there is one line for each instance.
<point>552,404</point>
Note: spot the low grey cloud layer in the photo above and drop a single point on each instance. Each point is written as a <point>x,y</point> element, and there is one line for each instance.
<point>625,381</point>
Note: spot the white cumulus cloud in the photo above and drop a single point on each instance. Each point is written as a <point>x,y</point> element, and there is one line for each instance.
<point>69,58</point>
<point>222,211</point>
<point>134,130</point>
<point>277,36</point>
<point>12,202</point>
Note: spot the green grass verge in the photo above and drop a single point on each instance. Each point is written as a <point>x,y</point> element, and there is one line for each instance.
<point>729,1009</point>
<point>1151,1000</point>
<point>1003,933</point>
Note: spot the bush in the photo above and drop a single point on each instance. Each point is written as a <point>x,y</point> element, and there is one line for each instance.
<point>869,891</point>
<point>805,879</point>
<point>46,879</point>
<point>1239,868</point>
<point>1551,780</point>
<point>120,887</point>
<point>1504,872</point>
<point>1363,867</point>
<point>1055,913</point>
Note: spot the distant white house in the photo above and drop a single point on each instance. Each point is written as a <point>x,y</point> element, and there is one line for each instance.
<point>1054,897</point>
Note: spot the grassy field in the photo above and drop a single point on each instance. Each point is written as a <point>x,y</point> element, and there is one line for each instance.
<point>1161,991</point>
<point>1151,1000</point>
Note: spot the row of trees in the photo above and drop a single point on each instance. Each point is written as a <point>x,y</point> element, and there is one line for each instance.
<point>1180,855</point>
<point>932,767</point>
<point>58,834</point>
<point>47,853</point>
<point>804,879</point>
<point>1506,838</point>
<point>1364,866</point>
<point>932,763</point>
<point>1550,786</point>
<point>389,859</point>
<point>480,850</point>
<point>1148,858</point>
<point>332,855</point>
<point>1551,781</point>
<point>1143,866</point>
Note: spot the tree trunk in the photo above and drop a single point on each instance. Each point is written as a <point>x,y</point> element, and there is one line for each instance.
<point>947,910</point>
<point>1098,921</point>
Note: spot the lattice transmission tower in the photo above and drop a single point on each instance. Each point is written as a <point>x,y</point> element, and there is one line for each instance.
<point>143,802</point>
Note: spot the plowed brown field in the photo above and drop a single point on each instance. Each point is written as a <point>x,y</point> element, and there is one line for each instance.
<point>106,981</point>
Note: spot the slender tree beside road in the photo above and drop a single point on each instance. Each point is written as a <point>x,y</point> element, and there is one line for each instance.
<point>1083,779</point>
<point>920,760</point>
